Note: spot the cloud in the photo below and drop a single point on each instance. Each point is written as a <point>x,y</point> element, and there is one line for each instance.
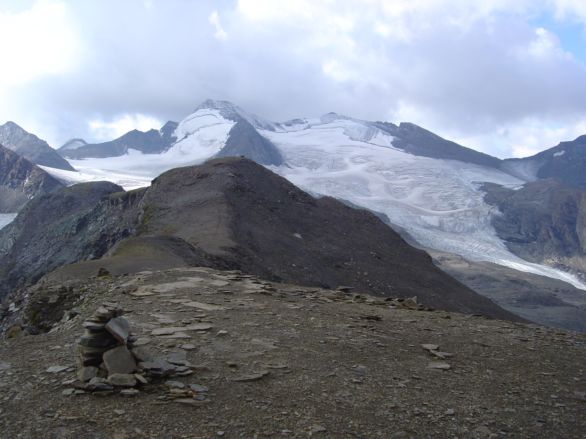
<point>214,20</point>
<point>35,43</point>
<point>115,128</point>
<point>472,71</point>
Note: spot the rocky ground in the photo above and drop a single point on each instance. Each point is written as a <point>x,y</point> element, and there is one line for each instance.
<point>286,361</point>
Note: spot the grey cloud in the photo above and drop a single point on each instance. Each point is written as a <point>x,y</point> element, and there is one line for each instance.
<point>164,60</point>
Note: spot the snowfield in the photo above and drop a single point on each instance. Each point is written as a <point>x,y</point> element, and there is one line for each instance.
<point>437,201</point>
<point>6,218</point>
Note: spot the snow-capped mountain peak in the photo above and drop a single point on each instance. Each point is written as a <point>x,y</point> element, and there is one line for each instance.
<point>233,112</point>
<point>427,185</point>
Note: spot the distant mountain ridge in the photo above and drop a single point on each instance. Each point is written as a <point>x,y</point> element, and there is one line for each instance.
<point>149,142</point>
<point>565,162</point>
<point>31,147</point>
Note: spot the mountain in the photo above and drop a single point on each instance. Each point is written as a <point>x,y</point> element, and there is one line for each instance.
<point>31,147</point>
<point>425,185</point>
<point>150,142</point>
<point>565,162</point>
<point>227,213</point>
<point>20,180</point>
<point>543,222</point>
<point>233,132</point>
<point>61,227</point>
<point>419,141</point>
<point>72,144</point>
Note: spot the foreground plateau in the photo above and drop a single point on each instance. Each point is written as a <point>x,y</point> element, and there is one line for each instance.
<point>276,360</point>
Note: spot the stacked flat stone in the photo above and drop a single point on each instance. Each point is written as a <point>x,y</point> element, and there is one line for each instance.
<point>104,354</point>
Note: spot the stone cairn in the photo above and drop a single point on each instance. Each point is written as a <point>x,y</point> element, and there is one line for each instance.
<point>107,357</point>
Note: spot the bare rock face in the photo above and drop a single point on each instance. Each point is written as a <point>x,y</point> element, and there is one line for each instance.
<point>543,222</point>
<point>72,224</point>
<point>21,180</point>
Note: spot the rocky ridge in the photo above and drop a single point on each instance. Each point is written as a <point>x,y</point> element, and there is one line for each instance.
<point>228,214</point>
<point>149,142</point>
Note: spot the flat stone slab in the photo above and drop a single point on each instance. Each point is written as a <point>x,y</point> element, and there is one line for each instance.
<point>57,369</point>
<point>122,380</point>
<point>255,376</point>
<point>119,328</point>
<point>172,330</point>
<point>439,365</point>
<point>142,293</point>
<point>158,367</point>
<point>167,331</point>
<point>204,306</point>
<point>93,326</point>
<point>119,360</point>
<point>177,336</point>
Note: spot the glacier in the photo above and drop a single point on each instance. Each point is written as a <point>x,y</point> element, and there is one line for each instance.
<point>437,201</point>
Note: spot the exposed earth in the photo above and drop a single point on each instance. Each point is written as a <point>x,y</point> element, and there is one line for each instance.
<point>288,361</point>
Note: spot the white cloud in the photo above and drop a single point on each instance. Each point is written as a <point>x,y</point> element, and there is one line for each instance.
<point>526,137</point>
<point>214,20</point>
<point>36,42</point>
<point>470,70</point>
<point>108,130</point>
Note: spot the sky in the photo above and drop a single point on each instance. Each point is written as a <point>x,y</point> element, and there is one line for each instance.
<point>506,77</point>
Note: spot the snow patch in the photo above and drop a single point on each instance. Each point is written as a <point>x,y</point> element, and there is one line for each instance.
<point>559,153</point>
<point>6,218</point>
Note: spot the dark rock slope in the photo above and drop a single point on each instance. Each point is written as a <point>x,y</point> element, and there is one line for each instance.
<point>244,140</point>
<point>149,142</point>
<point>235,214</point>
<point>20,180</point>
<point>72,224</point>
<point>419,141</point>
<point>543,222</point>
<point>31,147</point>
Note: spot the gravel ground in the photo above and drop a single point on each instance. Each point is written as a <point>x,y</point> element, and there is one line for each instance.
<point>288,361</point>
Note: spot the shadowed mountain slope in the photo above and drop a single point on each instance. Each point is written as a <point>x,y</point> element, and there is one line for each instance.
<point>237,214</point>
<point>21,180</point>
<point>543,222</point>
<point>418,141</point>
